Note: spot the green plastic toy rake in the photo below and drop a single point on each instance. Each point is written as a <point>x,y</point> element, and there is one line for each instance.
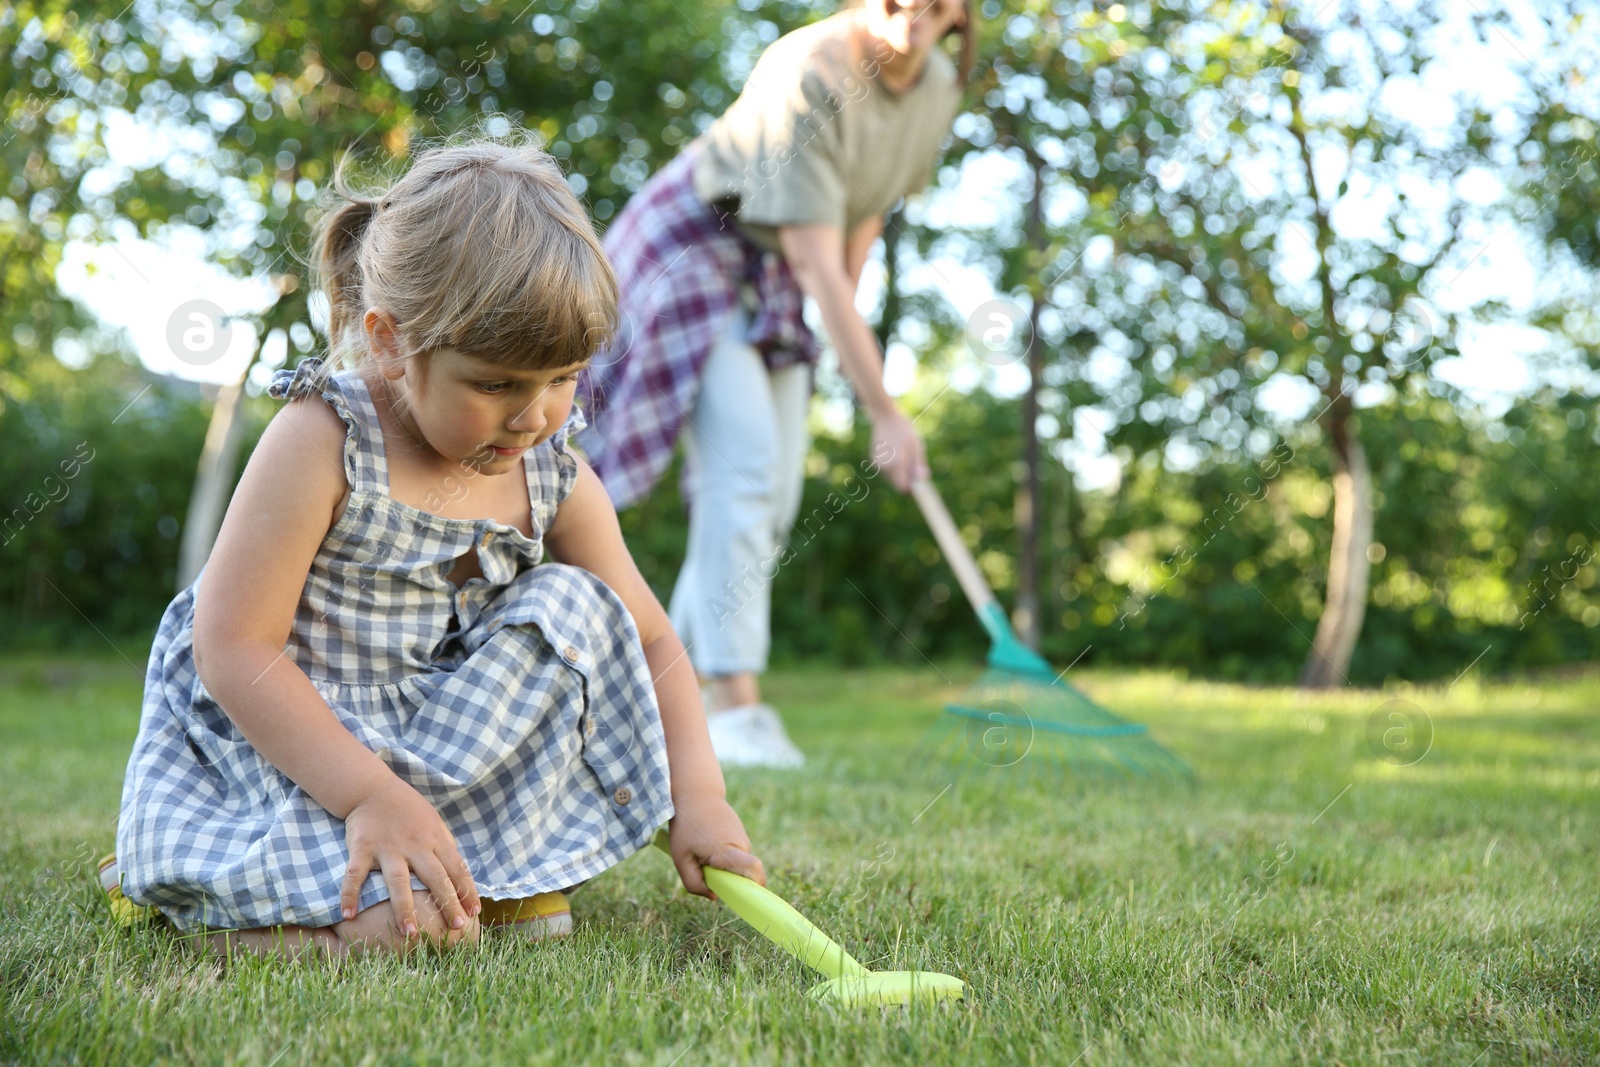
<point>1021,713</point>
<point>848,982</point>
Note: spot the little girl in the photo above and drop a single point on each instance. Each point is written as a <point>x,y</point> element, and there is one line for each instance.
<point>376,687</point>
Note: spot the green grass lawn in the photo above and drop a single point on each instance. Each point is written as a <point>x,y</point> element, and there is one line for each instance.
<point>1307,901</point>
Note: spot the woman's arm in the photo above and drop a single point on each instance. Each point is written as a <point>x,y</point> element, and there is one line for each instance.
<point>585,534</point>
<point>818,256</point>
<point>244,608</point>
<point>859,247</point>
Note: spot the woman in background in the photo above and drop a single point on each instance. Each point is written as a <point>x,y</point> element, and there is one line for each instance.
<point>781,198</point>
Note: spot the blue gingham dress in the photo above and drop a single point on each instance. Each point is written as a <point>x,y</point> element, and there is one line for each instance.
<point>520,705</point>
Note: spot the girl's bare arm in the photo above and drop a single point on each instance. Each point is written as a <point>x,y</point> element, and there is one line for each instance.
<point>585,534</point>
<point>244,607</point>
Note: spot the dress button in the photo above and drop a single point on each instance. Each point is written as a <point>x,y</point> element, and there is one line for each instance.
<point>571,654</point>
<point>623,795</point>
<point>588,727</point>
<point>487,537</point>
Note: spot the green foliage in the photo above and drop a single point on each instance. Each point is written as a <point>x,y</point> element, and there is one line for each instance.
<point>1485,546</point>
<point>95,489</point>
<point>271,94</point>
<point>1483,550</point>
<point>1162,266</point>
<point>1189,243</point>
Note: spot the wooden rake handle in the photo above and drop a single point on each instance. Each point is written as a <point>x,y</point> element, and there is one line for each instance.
<point>955,550</point>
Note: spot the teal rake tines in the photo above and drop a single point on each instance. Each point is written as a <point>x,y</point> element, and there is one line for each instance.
<point>1021,712</point>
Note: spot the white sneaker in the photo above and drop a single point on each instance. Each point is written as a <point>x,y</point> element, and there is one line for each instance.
<point>774,739</point>
<point>752,735</point>
<point>730,740</point>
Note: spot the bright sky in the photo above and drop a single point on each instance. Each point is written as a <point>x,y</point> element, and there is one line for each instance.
<point>134,285</point>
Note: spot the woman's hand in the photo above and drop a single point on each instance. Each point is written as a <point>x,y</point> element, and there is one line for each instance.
<point>396,830</point>
<point>817,254</point>
<point>898,450</point>
<point>708,832</point>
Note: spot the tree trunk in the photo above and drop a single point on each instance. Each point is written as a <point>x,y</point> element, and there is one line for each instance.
<point>213,481</point>
<point>1025,505</point>
<point>1328,663</point>
<point>890,315</point>
<point>1054,505</point>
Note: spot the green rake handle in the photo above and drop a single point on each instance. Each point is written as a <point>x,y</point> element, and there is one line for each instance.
<point>1005,651</point>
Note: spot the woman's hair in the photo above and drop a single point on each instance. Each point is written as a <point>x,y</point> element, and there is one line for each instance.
<point>969,42</point>
<point>481,246</point>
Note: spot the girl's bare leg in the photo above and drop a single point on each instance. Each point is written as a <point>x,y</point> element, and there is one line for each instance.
<point>283,942</point>
<point>373,930</point>
<point>376,929</point>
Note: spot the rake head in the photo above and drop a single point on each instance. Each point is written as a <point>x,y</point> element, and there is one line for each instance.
<point>1021,716</point>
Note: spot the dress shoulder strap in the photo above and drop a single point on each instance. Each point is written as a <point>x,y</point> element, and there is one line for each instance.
<point>552,471</point>
<point>365,466</point>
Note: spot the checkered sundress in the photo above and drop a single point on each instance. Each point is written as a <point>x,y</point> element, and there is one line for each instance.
<point>520,705</point>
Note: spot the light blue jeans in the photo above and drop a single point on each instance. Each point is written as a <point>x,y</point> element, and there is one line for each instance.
<point>745,447</point>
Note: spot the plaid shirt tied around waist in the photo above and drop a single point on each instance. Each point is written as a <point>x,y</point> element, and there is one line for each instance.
<point>681,265</point>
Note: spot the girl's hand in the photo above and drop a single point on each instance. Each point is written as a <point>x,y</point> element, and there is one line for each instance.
<point>396,830</point>
<point>708,832</point>
<point>897,449</point>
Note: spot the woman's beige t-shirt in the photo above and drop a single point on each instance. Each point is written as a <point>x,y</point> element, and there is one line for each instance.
<point>814,137</point>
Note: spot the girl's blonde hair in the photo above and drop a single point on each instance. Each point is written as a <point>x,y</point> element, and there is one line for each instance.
<point>481,247</point>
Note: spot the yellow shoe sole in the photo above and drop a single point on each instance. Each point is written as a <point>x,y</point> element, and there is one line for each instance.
<point>124,912</point>
<point>535,918</point>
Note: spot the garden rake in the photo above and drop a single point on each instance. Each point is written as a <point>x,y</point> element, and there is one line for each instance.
<point>1021,711</point>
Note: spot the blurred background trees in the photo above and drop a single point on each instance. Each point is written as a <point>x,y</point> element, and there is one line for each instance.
<point>1232,233</point>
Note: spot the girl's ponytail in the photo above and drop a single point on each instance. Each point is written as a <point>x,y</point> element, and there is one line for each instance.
<point>480,246</point>
<point>339,234</point>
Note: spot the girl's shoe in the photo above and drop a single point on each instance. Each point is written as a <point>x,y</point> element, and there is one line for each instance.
<point>535,918</point>
<point>124,912</point>
<point>752,736</point>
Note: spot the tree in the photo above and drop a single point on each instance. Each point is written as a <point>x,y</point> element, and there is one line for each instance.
<point>261,98</point>
<point>1207,158</point>
<point>1022,65</point>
